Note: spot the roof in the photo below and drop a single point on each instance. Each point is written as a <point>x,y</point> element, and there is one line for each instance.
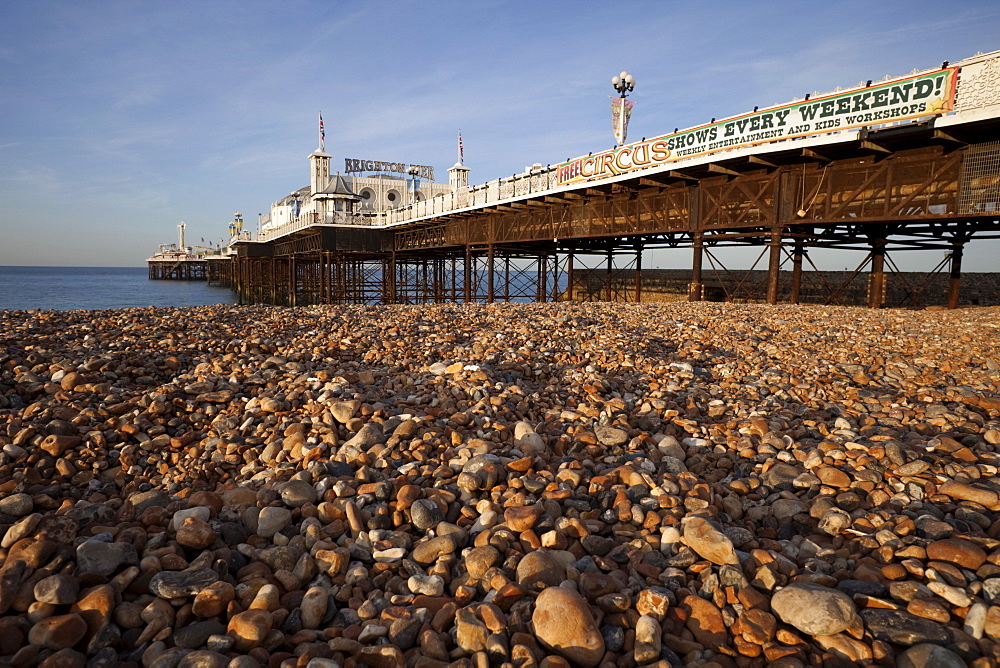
<point>337,186</point>
<point>301,194</point>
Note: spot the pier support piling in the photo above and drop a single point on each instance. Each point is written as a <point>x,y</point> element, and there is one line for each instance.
<point>696,288</point>
<point>876,277</point>
<point>955,278</point>
<point>773,267</point>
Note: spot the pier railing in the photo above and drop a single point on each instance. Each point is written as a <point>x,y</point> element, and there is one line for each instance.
<point>311,219</point>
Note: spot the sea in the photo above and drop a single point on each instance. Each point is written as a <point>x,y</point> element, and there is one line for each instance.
<point>70,288</point>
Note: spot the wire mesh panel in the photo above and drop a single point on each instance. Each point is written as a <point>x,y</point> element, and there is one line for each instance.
<point>979,191</point>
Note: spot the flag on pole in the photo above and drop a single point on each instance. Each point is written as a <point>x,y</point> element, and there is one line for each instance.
<point>461,151</point>
<point>620,120</point>
<point>322,132</point>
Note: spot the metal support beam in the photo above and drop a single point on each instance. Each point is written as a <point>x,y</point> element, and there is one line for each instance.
<point>468,274</point>
<point>638,274</point>
<point>876,279</point>
<point>607,284</point>
<point>773,268</point>
<point>797,252</point>
<point>569,277</point>
<point>955,280</point>
<point>489,275</point>
<point>696,289</point>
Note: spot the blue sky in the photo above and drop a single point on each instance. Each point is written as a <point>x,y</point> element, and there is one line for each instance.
<point>119,119</point>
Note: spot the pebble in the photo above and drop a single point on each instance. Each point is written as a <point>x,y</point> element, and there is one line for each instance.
<point>16,505</point>
<point>272,520</point>
<point>181,584</point>
<point>102,558</point>
<point>540,569</point>
<point>499,484</point>
<point>814,609</point>
<point>58,632</point>
<point>963,552</point>
<point>563,622</point>
<point>647,639</point>
<point>902,628</point>
<point>709,542</point>
<point>59,589</point>
<point>926,655</point>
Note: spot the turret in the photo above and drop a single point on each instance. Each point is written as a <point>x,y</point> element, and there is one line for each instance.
<point>458,175</point>
<point>320,162</point>
<point>320,174</point>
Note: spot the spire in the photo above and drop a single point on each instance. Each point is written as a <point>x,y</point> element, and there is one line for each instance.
<point>458,175</point>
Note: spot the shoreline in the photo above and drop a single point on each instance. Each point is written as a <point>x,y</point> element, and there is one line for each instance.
<point>604,484</point>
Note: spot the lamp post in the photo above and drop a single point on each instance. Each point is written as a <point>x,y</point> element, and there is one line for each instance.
<point>412,171</point>
<point>624,83</point>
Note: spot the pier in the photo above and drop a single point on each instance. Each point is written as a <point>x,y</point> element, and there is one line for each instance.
<point>179,262</point>
<point>928,178</point>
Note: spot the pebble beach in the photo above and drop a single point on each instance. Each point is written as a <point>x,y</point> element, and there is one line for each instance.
<point>505,485</point>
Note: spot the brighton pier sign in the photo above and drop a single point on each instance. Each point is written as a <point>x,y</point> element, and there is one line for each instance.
<point>930,93</point>
<point>353,165</point>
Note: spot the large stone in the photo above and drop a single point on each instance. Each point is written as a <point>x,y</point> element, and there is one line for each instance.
<point>563,622</point>
<point>927,655</point>
<point>781,476</point>
<point>479,559</point>
<point>180,584</point>
<point>249,629</point>
<point>343,411</point>
<point>142,500</point>
<point>902,628</point>
<point>958,490</point>
<point>204,658</point>
<point>58,589</point>
<point>213,599</point>
<point>95,556</point>
<point>367,436</point>
<point>196,533</point>
<point>201,512</point>
<point>647,640</point>
<point>428,551</point>
<point>425,514</point>
<point>314,605</point>
<point>705,622</point>
<point>959,551</point>
<point>95,605</point>
<point>785,508</point>
<point>812,609</point>
<point>17,505</point>
<point>833,477</point>
<point>539,569</point>
<point>297,493</point>
<point>272,520</point>
<point>196,634</point>
<point>611,436</point>
<point>522,518</point>
<point>58,632</point>
<point>710,543</point>
<point>470,632</point>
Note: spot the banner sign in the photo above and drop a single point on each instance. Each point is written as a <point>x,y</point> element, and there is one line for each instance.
<point>620,125</point>
<point>353,165</point>
<point>931,93</point>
